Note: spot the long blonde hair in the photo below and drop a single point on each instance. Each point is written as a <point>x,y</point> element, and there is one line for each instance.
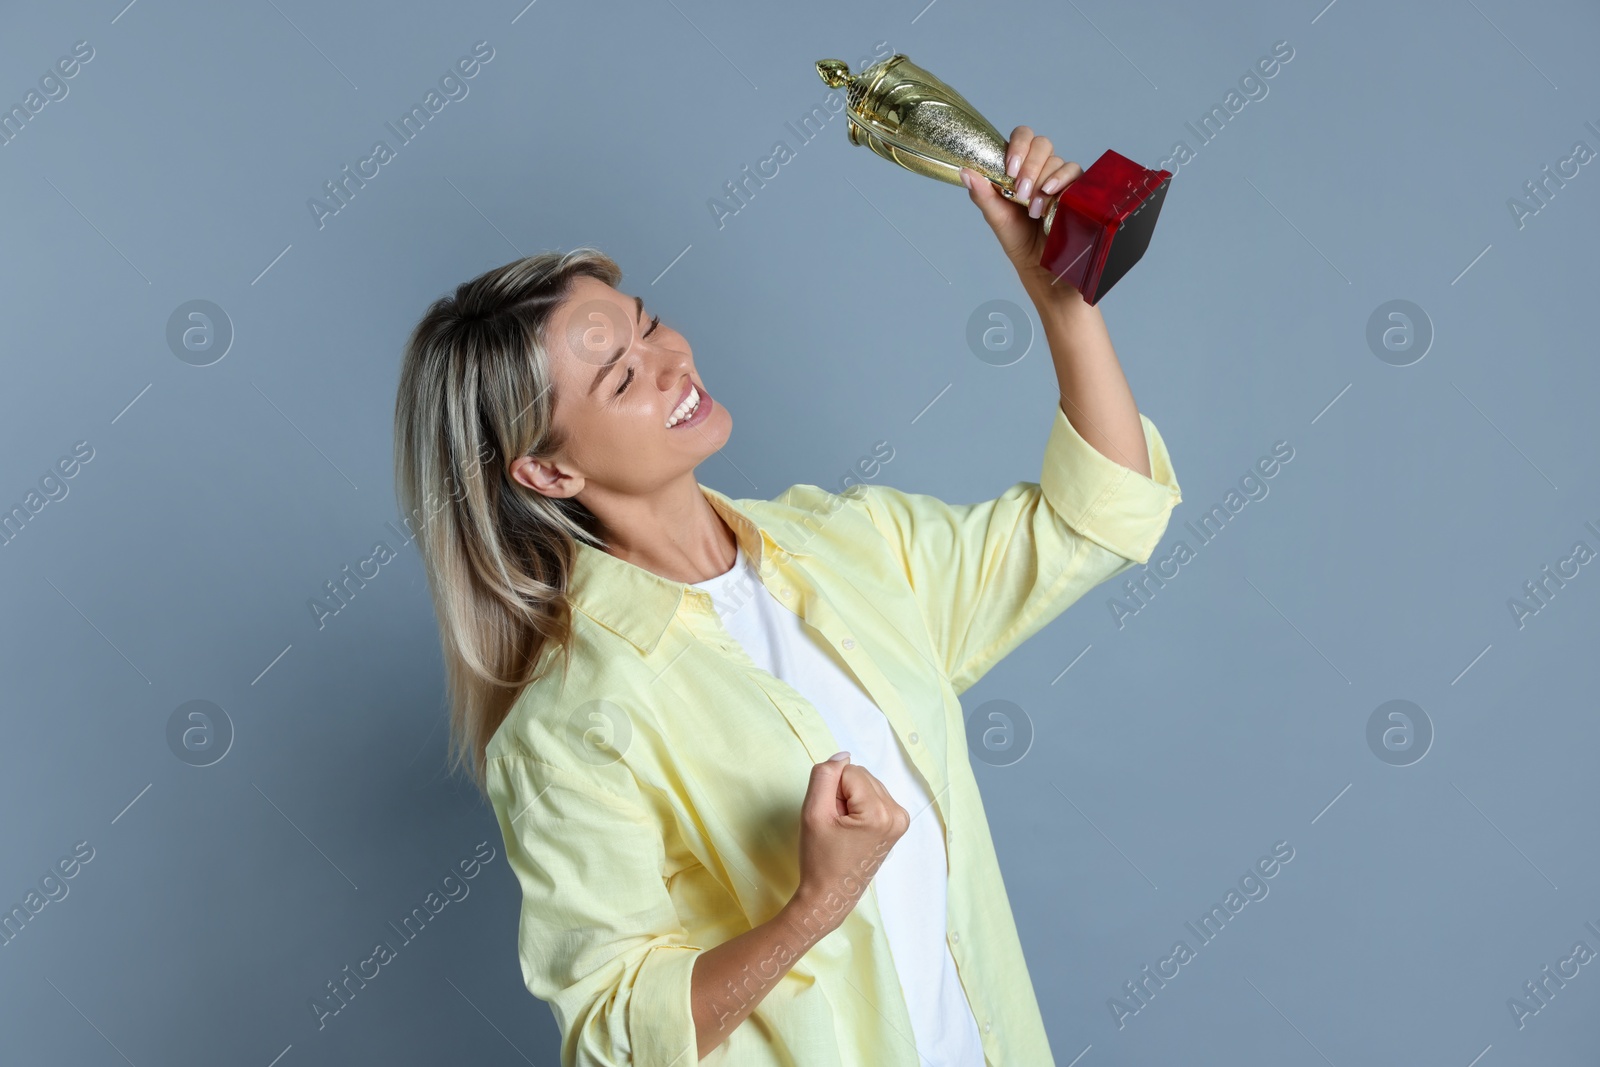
<point>475,391</point>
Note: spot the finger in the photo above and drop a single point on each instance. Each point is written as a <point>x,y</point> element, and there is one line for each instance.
<point>874,795</point>
<point>899,819</point>
<point>882,791</point>
<point>823,793</point>
<point>1017,149</point>
<point>1052,180</point>
<point>997,210</point>
<point>1039,150</point>
<point>854,790</point>
<point>1057,175</point>
<point>869,800</point>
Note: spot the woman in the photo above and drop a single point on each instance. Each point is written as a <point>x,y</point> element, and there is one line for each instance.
<point>699,877</point>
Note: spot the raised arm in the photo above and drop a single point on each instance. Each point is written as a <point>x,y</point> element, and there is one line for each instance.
<point>988,576</point>
<point>1094,392</point>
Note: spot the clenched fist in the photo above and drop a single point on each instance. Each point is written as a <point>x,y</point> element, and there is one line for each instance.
<point>848,824</point>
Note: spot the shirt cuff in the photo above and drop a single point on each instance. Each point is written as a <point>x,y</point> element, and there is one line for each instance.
<point>660,1012</point>
<point>1114,506</point>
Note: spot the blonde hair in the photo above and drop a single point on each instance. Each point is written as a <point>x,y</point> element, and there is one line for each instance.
<point>476,391</point>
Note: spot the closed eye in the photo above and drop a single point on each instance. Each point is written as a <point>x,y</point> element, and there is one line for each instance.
<point>628,378</point>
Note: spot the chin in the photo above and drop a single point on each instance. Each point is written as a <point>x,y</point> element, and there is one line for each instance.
<point>718,428</point>
<point>722,430</point>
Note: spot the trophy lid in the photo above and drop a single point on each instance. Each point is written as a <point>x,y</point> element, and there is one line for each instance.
<point>905,114</point>
<point>862,90</point>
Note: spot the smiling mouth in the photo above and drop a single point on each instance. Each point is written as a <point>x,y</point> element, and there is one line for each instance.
<point>688,409</point>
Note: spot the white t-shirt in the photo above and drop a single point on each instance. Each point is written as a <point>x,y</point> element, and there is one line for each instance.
<point>911,882</point>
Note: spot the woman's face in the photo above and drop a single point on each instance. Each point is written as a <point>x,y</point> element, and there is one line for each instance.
<point>620,376</point>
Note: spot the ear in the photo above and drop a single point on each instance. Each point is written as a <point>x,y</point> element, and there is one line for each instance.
<point>546,477</point>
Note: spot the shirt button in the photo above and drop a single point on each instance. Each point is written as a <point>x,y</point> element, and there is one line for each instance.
<point>913,739</point>
<point>955,937</point>
<point>849,642</point>
<point>786,593</point>
<point>986,1027</point>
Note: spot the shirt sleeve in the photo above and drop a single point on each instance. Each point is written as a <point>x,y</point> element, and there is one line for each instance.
<point>988,576</point>
<point>599,938</point>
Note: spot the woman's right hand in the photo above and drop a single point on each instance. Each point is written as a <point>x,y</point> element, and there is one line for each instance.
<point>848,824</point>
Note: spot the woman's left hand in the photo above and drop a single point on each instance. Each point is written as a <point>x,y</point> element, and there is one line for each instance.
<point>1039,174</point>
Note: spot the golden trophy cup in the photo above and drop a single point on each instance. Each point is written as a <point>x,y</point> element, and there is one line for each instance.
<point>1096,229</point>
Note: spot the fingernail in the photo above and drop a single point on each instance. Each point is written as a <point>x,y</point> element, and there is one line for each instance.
<point>1036,208</point>
<point>1024,187</point>
<point>837,756</point>
<point>966,178</point>
<point>1050,185</point>
<point>1011,166</point>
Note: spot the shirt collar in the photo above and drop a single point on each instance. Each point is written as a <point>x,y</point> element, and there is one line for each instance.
<point>638,604</point>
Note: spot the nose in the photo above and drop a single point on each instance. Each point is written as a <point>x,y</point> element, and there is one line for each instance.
<point>672,369</point>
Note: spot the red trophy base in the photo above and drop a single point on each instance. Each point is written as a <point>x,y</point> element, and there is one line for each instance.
<point>1102,224</point>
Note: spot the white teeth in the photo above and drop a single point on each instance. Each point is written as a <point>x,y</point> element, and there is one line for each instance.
<point>685,409</point>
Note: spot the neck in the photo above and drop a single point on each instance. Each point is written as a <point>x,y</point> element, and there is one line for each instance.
<point>673,532</point>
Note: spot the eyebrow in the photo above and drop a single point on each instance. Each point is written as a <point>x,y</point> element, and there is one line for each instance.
<point>638,309</point>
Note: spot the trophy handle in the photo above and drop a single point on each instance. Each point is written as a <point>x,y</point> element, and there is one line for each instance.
<point>941,169</point>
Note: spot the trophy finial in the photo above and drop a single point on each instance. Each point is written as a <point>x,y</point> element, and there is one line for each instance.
<point>836,72</point>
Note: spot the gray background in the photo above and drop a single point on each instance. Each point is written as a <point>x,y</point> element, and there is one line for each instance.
<point>1230,713</point>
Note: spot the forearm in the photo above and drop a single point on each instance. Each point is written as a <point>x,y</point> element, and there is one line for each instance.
<point>732,978</point>
<point>1095,396</point>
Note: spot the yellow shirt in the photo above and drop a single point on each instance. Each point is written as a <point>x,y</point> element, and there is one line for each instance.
<point>649,795</point>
